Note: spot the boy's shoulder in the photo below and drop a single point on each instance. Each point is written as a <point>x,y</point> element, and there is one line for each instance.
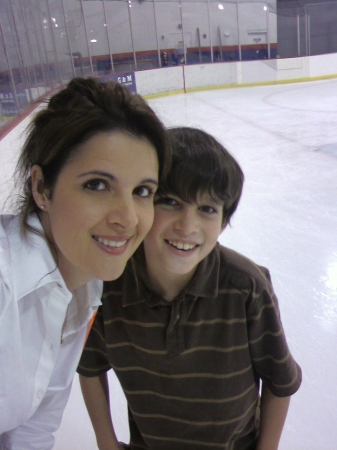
<point>240,270</point>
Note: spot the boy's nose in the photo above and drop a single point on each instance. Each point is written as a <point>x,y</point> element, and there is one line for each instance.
<point>186,223</point>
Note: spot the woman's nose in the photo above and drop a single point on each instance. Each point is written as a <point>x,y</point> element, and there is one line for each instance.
<point>123,212</point>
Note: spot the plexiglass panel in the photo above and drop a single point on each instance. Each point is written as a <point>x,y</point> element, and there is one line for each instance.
<point>224,29</point>
<point>144,36</point>
<point>35,62</point>
<point>196,32</point>
<point>253,30</point>
<point>97,32</point>
<point>77,32</point>
<point>13,93</point>
<point>8,107</point>
<point>170,34</point>
<point>321,28</point>
<point>118,22</point>
<point>61,43</point>
<point>44,43</point>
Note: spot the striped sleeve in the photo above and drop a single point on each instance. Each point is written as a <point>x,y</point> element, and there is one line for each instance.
<point>271,358</point>
<point>94,360</point>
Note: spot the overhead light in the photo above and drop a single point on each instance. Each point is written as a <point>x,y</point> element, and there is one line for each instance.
<point>93,40</point>
<point>220,6</point>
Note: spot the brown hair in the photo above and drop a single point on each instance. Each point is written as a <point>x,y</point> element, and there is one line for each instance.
<point>83,109</point>
<point>201,165</point>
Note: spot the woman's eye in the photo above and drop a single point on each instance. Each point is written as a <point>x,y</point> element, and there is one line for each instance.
<point>96,185</point>
<point>144,191</point>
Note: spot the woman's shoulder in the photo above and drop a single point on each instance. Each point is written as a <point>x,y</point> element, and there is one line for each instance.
<point>12,240</point>
<point>13,237</point>
<point>8,222</point>
<point>8,225</point>
<point>24,259</point>
<point>9,233</point>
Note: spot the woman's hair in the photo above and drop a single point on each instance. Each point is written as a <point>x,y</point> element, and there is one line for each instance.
<point>83,109</point>
<point>201,165</point>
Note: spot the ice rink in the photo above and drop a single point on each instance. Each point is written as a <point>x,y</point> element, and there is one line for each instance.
<point>285,138</point>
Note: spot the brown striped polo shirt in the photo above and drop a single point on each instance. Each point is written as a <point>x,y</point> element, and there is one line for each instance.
<point>191,368</point>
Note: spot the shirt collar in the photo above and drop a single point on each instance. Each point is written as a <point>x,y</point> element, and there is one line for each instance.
<point>205,282</point>
<point>31,262</point>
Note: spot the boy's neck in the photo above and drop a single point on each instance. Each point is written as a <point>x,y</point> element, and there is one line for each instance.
<point>167,285</point>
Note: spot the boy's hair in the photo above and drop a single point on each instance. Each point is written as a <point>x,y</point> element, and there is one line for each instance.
<point>201,165</point>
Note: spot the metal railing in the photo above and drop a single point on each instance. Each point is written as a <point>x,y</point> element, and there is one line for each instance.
<point>44,43</point>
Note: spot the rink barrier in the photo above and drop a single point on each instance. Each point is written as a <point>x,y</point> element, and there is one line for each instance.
<point>180,79</point>
<point>14,122</point>
<point>234,86</point>
<point>222,75</point>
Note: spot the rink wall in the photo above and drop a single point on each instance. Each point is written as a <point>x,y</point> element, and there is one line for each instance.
<point>180,79</point>
<point>234,74</point>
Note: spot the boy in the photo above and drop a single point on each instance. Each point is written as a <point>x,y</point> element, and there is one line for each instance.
<point>192,329</point>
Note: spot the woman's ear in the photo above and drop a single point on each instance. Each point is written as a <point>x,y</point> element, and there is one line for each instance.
<point>38,189</point>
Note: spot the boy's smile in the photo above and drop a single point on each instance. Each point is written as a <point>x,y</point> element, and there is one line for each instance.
<point>182,245</point>
<point>182,235</point>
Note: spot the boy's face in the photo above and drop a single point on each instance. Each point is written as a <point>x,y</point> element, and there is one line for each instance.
<point>182,235</point>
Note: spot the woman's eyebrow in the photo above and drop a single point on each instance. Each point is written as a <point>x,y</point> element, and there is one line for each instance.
<point>97,172</point>
<point>112,177</point>
<point>150,180</point>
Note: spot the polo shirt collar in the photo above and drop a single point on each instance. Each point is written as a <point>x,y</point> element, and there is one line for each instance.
<point>205,281</point>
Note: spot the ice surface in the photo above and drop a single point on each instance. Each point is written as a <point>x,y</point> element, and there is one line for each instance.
<point>285,138</point>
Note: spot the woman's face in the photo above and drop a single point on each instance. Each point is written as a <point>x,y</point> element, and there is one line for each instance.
<point>101,207</point>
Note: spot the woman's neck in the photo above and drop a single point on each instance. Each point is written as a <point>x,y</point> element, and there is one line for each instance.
<point>72,276</point>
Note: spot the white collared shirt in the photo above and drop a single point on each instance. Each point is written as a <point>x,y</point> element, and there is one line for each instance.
<point>43,327</point>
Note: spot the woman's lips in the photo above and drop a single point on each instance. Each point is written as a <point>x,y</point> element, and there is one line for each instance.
<point>112,245</point>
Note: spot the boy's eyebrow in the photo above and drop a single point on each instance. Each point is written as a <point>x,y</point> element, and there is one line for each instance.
<point>112,177</point>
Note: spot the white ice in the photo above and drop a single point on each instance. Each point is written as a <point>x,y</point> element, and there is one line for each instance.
<point>285,138</point>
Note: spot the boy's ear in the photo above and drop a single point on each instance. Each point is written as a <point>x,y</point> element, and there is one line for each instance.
<point>38,189</point>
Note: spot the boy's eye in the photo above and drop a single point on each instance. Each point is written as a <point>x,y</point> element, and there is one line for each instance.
<point>144,191</point>
<point>168,201</point>
<point>208,209</point>
<point>96,185</point>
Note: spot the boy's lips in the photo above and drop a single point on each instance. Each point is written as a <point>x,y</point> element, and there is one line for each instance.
<point>180,245</point>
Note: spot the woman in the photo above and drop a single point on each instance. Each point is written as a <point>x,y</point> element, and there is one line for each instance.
<point>90,167</point>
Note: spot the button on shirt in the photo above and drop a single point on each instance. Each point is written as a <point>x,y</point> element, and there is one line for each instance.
<point>43,328</point>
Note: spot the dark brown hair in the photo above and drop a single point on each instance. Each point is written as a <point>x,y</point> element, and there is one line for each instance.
<point>201,165</point>
<point>83,109</point>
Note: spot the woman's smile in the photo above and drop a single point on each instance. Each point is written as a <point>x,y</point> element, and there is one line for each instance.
<point>102,197</point>
<point>111,242</point>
